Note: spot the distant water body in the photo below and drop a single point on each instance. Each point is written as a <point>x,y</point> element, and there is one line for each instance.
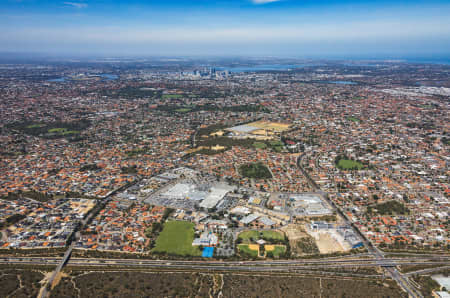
<point>441,60</point>
<point>285,67</point>
<point>265,67</point>
<point>340,82</point>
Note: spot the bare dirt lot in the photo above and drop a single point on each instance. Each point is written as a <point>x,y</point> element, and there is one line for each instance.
<point>326,243</point>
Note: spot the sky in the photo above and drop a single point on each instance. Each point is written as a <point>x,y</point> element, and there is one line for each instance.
<point>285,28</point>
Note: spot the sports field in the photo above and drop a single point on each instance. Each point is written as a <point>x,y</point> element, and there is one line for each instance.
<point>251,249</point>
<point>275,250</point>
<point>267,235</point>
<point>248,236</point>
<point>347,164</point>
<point>176,238</point>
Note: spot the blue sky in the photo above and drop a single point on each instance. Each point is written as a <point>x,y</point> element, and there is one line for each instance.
<point>300,28</point>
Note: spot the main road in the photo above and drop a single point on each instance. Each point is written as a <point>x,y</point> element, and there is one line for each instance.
<point>255,265</point>
<point>374,251</point>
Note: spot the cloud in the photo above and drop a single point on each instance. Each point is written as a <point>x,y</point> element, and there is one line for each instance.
<point>76,4</point>
<point>263,1</point>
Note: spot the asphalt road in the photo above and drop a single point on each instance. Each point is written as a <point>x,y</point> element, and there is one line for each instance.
<point>285,265</point>
<point>375,252</point>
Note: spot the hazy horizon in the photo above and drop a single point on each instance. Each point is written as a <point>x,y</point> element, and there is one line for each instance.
<point>316,29</point>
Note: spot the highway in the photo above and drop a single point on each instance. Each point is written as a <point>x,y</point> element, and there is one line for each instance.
<point>286,265</point>
<point>373,258</point>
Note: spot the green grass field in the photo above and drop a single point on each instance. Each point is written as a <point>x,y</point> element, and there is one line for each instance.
<point>272,235</point>
<point>176,238</point>
<point>62,131</point>
<point>35,125</point>
<point>276,146</point>
<point>246,236</point>
<point>347,164</point>
<point>171,96</point>
<point>183,110</point>
<point>276,143</point>
<point>259,145</point>
<point>57,130</point>
<point>246,250</point>
<point>279,250</point>
<point>354,119</point>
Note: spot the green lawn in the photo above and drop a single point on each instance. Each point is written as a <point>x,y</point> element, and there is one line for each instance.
<point>171,96</point>
<point>276,143</point>
<point>57,130</point>
<point>255,235</point>
<point>176,238</point>
<point>246,250</point>
<point>183,110</point>
<point>276,146</point>
<point>247,235</point>
<point>348,164</point>
<point>354,119</point>
<point>35,125</point>
<point>279,250</point>
<point>259,145</point>
<point>63,131</point>
<point>272,235</point>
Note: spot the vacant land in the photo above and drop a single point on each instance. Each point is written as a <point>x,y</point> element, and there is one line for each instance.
<point>326,243</point>
<point>411,268</point>
<point>307,245</point>
<point>186,284</point>
<point>20,282</point>
<point>255,170</point>
<point>301,243</point>
<point>296,286</point>
<point>135,284</point>
<point>272,126</point>
<point>176,239</point>
<point>427,285</point>
<point>389,207</point>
